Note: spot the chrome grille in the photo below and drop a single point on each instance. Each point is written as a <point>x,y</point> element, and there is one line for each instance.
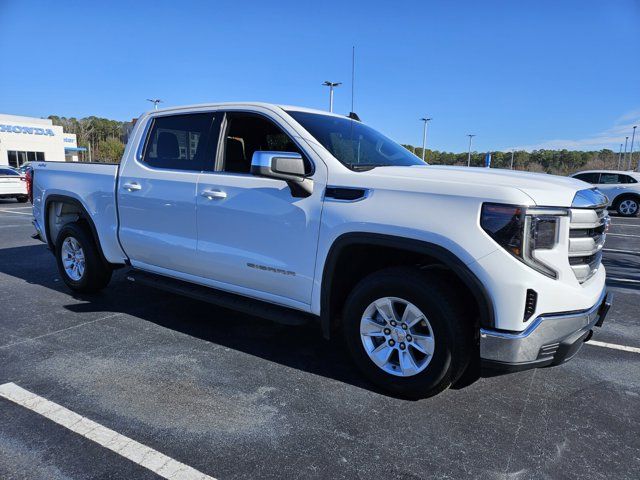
<point>587,234</point>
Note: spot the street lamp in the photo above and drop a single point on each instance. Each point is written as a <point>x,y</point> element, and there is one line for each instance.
<point>424,135</point>
<point>469,156</point>
<point>511,159</point>
<point>624,157</point>
<point>155,102</point>
<point>619,156</point>
<point>331,86</point>
<point>633,137</point>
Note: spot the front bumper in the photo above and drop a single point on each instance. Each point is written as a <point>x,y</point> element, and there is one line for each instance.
<point>549,340</point>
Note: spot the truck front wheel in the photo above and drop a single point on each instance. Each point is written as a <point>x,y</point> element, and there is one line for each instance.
<point>79,262</point>
<point>408,332</point>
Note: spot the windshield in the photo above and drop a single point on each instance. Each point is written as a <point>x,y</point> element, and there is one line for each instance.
<point>355,145</point>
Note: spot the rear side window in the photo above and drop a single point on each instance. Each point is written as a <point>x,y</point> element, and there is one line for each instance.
<point>588,177</point>
<point>627,179</point>
<point>609,178</point>
<point>183,142</point>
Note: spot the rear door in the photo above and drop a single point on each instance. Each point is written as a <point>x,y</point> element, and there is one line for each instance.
<point>254,236</point>
<point>610,184</point>
<point>157,191</point>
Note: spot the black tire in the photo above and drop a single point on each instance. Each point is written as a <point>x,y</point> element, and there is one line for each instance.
<point>96,274</point>
<point>453,331</point>
<point>22,199</point>
<point>634,206</point>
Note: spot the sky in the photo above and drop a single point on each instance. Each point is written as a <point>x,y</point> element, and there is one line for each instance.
<point>517,74</point>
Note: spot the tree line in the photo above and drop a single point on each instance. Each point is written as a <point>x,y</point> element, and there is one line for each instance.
<point>557,162</point>
<point>107,139</point>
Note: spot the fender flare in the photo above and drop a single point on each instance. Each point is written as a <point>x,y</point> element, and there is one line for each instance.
<point>83,215</point>
<point>444,256</point>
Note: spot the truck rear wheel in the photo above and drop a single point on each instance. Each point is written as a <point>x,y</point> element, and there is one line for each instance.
<point>78,260</point>
<point>407,332</point>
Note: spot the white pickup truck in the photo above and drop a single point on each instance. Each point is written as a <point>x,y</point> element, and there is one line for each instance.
<point>294,214</point>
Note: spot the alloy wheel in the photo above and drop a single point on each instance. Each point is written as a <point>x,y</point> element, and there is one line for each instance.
<point>628,207</point>
<point>397,336</point>
<point>73,258</point>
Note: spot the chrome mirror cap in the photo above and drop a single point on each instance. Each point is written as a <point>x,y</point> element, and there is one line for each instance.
<point>287,166</point>
<point>590,198</point>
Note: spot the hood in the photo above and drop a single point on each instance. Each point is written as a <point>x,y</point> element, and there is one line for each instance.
<point>542,189</point>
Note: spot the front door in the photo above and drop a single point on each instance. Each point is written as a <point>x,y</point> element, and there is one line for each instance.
<point>254,236</point>
<point>157,192</point>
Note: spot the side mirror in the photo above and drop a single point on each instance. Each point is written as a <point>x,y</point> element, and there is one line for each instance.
<point>287,166</point>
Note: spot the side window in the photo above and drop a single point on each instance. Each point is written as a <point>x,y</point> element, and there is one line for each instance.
<point>609,178</point>
<point>183,142</point>
<point>248,133</point>
<point>588,177</point>
<point>627,179</point>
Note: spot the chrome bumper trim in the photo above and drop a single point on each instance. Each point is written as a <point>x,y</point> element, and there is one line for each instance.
<point>535,344</point>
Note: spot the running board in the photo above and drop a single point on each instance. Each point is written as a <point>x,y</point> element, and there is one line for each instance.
<point>258,308</point>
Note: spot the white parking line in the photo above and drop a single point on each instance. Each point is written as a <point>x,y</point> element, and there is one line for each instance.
<point>622,235</point>
<point>625,225</point>
<point>615,346</point>
<point>147,457</point>
<point>617,250</point>
<point>623,280</point>
<point>15,213</point>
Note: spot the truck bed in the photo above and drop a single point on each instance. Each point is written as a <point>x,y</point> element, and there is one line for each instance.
<point>92,186</point>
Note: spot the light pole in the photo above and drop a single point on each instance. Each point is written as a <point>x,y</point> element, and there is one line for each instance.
<point>155,102</point>
<point>619,156</point>
<point>633,137</point>
<point>470,135</point>
<point>511,168</point>
<point>424,135</point>
<point>331,86</point>
<point>624,157</point>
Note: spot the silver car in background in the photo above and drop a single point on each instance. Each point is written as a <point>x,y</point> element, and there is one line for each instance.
<point>621,187</point>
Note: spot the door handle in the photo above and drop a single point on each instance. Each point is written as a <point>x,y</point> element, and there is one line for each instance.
<point>211,194</point>
<point>132,186</point>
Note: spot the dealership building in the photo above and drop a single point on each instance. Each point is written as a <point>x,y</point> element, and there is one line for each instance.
<point>27,139</point>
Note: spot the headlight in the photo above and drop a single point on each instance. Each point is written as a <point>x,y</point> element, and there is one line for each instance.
<point>523,230</point>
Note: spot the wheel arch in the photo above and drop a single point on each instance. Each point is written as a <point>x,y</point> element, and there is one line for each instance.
<point>81,213</point>
<point>330,307</point>
<point>622,195</point>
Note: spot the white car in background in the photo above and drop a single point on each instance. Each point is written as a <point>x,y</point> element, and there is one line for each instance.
<point>621,187</point>
<point>12,184</point>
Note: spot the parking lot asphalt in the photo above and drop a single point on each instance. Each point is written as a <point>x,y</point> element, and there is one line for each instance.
<point>235,396</point>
